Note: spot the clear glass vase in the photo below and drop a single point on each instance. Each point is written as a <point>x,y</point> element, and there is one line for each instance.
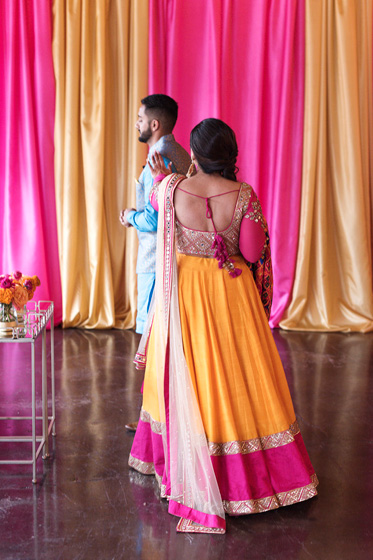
<point>21,313</point>
<point>21,321</point>
<point>8,319</point>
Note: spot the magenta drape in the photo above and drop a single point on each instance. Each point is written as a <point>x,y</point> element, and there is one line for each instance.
<point>28,239</point>
<point>242,61</point>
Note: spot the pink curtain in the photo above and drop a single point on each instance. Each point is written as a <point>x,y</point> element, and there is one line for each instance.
<point>28,239</point>
<point>242,61</point>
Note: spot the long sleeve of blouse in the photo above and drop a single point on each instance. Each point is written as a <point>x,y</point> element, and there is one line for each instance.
<point>252,236</point>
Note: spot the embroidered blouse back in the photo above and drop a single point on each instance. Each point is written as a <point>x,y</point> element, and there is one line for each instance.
<point>201,243</point>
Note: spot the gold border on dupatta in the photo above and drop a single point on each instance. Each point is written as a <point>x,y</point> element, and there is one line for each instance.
<point>189,526</point>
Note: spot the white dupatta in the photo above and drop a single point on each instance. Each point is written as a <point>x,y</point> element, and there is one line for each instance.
<point>192,488</point>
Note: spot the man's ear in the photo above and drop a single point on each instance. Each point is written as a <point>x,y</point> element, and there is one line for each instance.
<point>155,125</point>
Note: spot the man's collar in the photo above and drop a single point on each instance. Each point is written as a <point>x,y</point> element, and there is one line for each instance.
<point>157,147</point>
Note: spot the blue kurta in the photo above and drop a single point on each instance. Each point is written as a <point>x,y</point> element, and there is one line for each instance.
<point>145,220</point>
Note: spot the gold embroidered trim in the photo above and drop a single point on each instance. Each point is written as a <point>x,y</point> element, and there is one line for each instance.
<point>256,215</point>
<point>162,487</point>
<point>148,469</point>
<point>272,502</point>
<point>188,526</point>
<point>155,190</point>
<point>155,426</point>
<point>141,466</point>
<point>242,507</point>
<point>234,447</point>
<point>256,444</point>
<point>140,361</point>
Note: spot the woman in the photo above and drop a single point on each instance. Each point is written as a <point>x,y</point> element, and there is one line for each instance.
<point>217,425</point>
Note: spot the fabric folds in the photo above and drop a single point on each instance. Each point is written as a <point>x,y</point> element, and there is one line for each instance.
<point>253,439</point>
<point>28,229</point>
<point>100,60</point>
<point>217,426</point>
<point>333,283</point>
<point>204,54</point>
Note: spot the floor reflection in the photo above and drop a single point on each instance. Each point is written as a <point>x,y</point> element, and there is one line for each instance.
<point>89,504</point>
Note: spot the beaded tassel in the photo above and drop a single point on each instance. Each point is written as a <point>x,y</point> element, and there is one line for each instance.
<point>221,255</point>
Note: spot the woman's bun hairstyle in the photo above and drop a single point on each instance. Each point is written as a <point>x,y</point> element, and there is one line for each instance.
<point>215,148</point>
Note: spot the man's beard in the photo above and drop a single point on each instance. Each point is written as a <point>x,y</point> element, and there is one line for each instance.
<point>144,136</point>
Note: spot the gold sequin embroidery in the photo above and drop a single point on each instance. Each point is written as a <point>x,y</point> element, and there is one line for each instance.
<point>244,507</point>
<point>256,444</point>
<point>141,466</point>
<point>155,426</point>
<point>199,243</point>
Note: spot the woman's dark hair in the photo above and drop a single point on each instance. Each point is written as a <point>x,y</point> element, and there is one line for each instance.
<point>215,148</point>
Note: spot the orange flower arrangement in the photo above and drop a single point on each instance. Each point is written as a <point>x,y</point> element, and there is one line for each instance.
<point>16,290</point>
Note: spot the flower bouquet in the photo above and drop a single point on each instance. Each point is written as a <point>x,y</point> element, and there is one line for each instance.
<point>15,291</point>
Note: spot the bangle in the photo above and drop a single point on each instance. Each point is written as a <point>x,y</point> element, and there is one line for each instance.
<point>159,178</point>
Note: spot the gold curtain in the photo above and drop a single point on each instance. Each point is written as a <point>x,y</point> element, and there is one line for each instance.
<point>100,53</point>
<point>333,280</point>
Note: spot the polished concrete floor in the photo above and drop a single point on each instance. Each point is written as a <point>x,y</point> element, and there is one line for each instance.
<point>87,503</point>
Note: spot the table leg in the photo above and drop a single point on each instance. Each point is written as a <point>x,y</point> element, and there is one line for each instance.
<point>52,378</point>
<point>33,421</point>
<point>44,396</point>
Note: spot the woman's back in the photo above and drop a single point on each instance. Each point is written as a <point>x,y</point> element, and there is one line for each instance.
<point>213,369</point>
<point>190,206</point>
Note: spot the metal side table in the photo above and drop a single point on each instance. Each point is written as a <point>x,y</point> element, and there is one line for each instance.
<point>37,316</point>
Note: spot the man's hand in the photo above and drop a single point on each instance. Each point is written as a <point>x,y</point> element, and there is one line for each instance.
<point>123,217</point>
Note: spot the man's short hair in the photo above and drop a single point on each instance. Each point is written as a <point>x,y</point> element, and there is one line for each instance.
<point>163,108</point>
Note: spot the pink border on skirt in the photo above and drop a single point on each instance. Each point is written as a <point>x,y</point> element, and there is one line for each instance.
<point>260,474</point>
<point>241,477</point>
<point>147,447</point>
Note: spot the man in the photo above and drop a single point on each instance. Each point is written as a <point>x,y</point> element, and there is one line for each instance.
<point>156,119</point>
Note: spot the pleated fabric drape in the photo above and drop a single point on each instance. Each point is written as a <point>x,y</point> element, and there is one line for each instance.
<point>333,282</point>
<point>100,53</point>
<point>242,61</point>
<point>28,232</point>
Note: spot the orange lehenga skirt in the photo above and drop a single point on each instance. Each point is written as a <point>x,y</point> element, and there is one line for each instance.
<point>254,441</point>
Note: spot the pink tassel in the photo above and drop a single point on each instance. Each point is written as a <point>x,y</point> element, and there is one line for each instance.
<point>236,272</point>
<point>221,255</point>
